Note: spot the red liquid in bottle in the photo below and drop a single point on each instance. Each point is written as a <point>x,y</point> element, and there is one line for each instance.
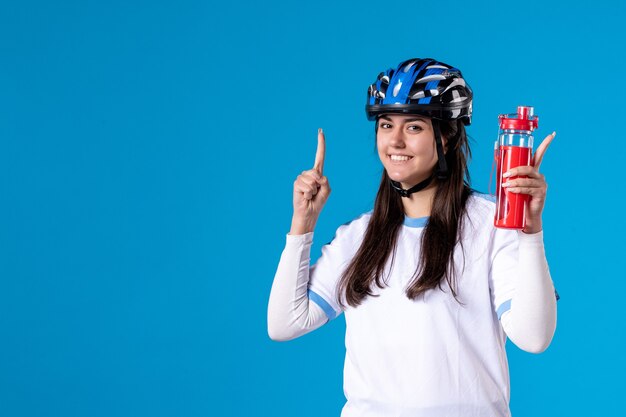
<point>510,210</point>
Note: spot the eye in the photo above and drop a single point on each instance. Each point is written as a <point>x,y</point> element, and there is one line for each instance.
<point>415,128</point>
<point>384,125</point>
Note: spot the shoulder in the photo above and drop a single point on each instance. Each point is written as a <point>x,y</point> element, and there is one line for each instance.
<point>354,229</point>
<point>483,200</point>
<point>479,216</point>
<point>480,207</point>
<point>357,224</point>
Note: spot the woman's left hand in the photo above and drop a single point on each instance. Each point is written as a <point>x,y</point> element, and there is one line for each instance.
<point>534,185</point>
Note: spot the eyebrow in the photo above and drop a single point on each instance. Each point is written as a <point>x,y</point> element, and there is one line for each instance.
<point>416,119</point>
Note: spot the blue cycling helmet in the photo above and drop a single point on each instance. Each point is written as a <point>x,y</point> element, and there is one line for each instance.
<point>421,86</point>
<point>426,87</point>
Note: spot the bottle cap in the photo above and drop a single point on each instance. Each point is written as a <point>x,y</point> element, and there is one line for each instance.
<point>524,119</point>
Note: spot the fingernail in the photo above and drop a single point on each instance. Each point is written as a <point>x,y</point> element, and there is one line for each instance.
<point>554,133</point>
<point>505,184</point>
<point>506,175</point>
<point>319,130</point>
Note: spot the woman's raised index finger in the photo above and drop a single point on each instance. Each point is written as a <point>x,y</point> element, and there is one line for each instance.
<point>321,151</point>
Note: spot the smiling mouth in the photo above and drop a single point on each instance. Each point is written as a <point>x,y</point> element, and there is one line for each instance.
<point>399,158</point>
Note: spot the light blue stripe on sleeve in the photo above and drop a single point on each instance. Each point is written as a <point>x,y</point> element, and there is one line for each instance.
<point>317,299</point>
<point>504,307</point>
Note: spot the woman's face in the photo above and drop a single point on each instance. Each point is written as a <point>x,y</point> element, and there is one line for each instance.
<point>406,147</point>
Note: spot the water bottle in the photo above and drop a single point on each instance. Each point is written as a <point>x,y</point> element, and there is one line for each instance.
<point>514,148</point>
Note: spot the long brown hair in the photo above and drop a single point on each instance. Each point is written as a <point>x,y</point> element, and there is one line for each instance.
<point>440,236</point>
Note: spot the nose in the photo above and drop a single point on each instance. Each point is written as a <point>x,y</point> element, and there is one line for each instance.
<point>396,137</point>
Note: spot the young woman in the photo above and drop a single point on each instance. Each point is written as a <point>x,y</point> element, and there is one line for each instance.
<point>430,289</point>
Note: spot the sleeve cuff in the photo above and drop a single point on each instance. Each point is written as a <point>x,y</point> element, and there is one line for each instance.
<point>299,239</point>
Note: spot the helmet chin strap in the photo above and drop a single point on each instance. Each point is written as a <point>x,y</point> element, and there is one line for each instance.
<point>417,187</point>
<point>441,172</point>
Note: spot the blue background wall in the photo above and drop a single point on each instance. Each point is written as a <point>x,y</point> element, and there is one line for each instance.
<point>147,156</point>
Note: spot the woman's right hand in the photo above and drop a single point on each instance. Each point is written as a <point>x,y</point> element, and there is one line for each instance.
<point>310,192</point>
